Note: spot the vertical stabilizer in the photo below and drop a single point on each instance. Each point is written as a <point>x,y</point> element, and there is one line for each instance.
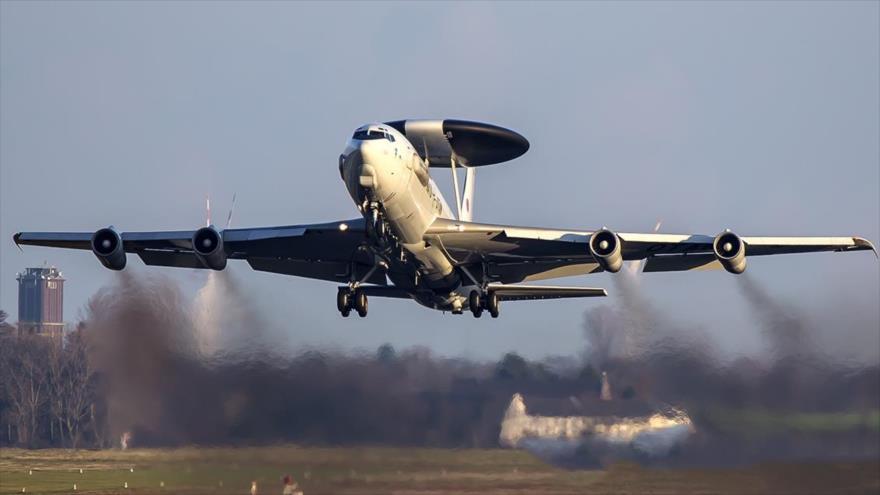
<point>467,201</point>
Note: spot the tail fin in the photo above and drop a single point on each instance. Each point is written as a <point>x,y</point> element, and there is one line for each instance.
<point>467,200</point>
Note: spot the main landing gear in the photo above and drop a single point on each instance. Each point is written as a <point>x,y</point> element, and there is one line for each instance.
<point>490,303</point>
<point>348,299</point>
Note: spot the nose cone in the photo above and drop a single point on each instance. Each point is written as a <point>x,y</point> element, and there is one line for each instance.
<point>372,151</point>
<point>359,168</point>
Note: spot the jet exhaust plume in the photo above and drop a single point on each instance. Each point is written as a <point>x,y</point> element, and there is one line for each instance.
<point>209,372</point>
<point>745,409</point>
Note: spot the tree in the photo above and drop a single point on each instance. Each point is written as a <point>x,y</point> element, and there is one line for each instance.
<point>25,382</point>
<point>55,371</point>
<point>5,328</point>
<point>78,385</point>
<point>386,354</point>
<point>512,367</point>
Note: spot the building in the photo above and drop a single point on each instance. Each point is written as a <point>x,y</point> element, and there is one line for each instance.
<point>41,302</point>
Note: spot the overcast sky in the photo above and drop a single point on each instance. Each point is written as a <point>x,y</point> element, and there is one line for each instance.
<point>759,117</point>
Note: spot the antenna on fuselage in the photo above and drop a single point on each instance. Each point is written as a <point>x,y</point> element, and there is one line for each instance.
<point>455,185</point>
<point>467,210</point>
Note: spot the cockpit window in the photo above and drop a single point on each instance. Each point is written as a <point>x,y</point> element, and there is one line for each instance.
<point>365,135</point>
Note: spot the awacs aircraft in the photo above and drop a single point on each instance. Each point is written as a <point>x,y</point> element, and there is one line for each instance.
<point>408,243</point>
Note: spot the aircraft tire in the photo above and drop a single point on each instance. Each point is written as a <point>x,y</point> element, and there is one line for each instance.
<point>493,304</point>
<point>360,303</point>
<point>475,304</point>
<point>343,300</point>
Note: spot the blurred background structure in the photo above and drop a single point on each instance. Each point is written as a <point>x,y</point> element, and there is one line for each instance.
<point>41,302</point>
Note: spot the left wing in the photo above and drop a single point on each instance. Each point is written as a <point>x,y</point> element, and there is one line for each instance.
<point>326,251</point>
<point>514,254</point>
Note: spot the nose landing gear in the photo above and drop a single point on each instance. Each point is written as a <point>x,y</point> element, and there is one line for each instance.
<point>347,299</point>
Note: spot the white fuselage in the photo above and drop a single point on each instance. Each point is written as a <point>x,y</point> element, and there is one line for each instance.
<point>382,171</point>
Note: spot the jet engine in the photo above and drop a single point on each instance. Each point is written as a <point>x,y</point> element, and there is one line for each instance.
<point>107,246</point>
<point>730,250</point>
<point>207,245</point>
<point>605,248</point>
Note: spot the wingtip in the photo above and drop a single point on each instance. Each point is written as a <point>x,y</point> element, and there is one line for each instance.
<point>863,243</point>
<point>16,238</point>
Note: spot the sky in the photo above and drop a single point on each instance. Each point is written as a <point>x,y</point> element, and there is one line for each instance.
<point>759,117</point>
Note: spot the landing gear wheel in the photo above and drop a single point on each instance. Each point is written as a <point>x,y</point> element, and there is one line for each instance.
<point>475,304</point>
<point>492,304</point>
<point>360,303</point>
<point>343,301</point>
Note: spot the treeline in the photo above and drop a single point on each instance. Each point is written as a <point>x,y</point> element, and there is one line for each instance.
<point>71,396</point>
<point>140,373</point>
<point>49,394</point>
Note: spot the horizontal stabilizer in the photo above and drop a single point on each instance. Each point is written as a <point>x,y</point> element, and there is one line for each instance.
<point>529,292</point>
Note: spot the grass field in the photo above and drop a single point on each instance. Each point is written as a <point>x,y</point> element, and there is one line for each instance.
<point>395,470</point>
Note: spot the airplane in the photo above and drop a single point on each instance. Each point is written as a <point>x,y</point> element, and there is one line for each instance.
<point>408,243</point>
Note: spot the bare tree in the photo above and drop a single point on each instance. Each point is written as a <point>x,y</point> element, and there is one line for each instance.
<point>78,389</point>
<point>55,371</point>
<point>6,330</point>
<point>26,383</point>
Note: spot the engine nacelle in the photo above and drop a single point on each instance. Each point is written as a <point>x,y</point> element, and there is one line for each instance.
<point>605,248</point>
<point>207,245</point>
<point>107,246</point>
<point>730,250</point>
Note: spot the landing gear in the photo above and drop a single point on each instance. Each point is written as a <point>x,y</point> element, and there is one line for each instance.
<point>343,301</point>
<point>360,303</point>
<point>378,228</point>
<point>492,304</point>
<point>476,304</point>
<point>346,300</point>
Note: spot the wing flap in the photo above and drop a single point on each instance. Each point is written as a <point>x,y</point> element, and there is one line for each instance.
<point>169,258</point>
<point>680,263</point>
<point>333,271</point>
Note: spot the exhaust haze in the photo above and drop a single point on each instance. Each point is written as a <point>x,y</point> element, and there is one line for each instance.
<point>208,372</point>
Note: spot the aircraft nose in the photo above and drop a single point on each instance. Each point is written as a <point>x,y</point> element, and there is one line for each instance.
<point>358,170</point>
<point>370,151</point>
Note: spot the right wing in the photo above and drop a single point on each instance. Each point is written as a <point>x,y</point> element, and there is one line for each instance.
<point>515,254</point>
<point>326,251</point>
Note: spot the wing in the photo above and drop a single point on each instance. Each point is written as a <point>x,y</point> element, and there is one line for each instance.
<point>325,251</point>
<point>515,254</point>
<point>672,252</point>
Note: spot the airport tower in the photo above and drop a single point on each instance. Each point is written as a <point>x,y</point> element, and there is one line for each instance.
<point>41,302</point>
